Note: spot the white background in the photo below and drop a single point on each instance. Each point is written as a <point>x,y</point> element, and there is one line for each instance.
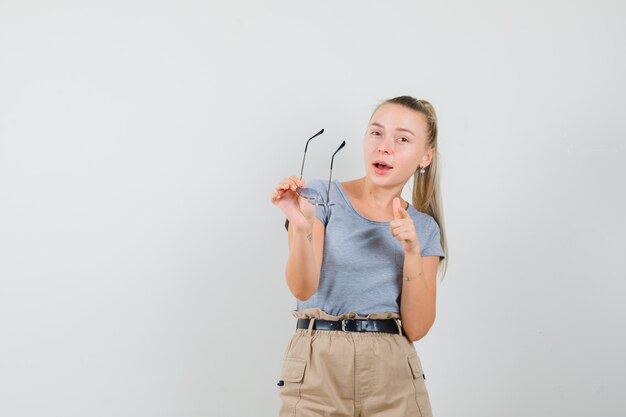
<point>142,264</point>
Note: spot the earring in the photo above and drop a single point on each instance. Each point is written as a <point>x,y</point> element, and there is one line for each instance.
<point>422,170</point>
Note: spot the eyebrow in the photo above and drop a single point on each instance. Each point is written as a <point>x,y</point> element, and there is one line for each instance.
<point>400,128</point>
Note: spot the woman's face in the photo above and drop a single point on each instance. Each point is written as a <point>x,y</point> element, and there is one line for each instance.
<point>395,145</point>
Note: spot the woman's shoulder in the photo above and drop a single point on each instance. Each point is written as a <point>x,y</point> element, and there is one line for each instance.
<point>322,184</point>
<point>317,184</point>
<point>350,187</point>
<point>422,219</point>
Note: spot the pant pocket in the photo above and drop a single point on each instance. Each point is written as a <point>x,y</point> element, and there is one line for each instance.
<point>293,370</point>
<point>291,376</point>
<point>421,394</point>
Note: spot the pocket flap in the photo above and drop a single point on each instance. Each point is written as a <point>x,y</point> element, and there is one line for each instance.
<point>293,370</point>
<point>416,367</point>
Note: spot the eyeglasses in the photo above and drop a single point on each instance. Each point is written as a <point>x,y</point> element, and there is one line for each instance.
<point>310,194</point>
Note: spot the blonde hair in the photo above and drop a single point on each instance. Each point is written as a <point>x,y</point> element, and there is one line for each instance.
<point>426,190</point>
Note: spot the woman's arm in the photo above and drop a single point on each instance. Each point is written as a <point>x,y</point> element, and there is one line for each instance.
<point>305,237</point>
<point>306,249</point>
<point>419,294</point>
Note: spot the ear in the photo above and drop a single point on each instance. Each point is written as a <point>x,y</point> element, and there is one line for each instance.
<point>427,158</point>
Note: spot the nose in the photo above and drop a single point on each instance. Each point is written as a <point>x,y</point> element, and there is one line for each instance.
<point>385,146</point>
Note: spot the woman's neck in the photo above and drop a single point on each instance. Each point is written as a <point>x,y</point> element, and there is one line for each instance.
<point>378,196</point>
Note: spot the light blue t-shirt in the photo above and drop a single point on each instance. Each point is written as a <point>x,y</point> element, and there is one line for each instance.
<point>362,263</point>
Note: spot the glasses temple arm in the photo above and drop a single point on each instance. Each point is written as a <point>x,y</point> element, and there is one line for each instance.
<point>331,169</point>
<point>305,148</point>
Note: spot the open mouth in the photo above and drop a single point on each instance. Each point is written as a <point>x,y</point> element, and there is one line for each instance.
<point>382,165</point>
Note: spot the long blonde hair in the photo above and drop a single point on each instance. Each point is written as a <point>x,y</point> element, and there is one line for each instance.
<point>426,190</point>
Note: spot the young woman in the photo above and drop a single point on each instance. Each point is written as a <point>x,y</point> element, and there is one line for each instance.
<point>364,271</point>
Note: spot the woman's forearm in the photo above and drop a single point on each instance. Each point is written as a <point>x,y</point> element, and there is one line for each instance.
<point>302,270</point>
<point>417,305</point>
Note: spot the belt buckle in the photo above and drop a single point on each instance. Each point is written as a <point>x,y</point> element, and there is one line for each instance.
<point>343,324</point>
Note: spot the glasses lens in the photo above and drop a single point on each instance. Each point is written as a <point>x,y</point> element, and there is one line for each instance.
<point>310,194</point>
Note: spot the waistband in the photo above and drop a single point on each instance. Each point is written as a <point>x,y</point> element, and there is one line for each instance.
<point>317,313</point>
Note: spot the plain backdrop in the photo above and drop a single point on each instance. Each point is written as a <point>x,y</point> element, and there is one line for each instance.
<point>142,264</point>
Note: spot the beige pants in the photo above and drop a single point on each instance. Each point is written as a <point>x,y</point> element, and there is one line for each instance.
<point>351,374</point>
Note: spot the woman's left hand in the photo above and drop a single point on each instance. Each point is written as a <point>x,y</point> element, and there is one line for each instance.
<point>403,229</point>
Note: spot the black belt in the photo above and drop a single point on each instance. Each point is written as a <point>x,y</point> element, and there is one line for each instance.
<point>352,325</point>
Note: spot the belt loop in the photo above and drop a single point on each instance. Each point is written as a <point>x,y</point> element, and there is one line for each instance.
<point>399,326</point>
<point>310,329</point>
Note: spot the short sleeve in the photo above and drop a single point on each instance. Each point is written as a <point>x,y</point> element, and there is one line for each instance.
<point>320,212</point>
<point>432,245</point>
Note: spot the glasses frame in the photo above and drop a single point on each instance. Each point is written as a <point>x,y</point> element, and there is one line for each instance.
<point>311,195</point>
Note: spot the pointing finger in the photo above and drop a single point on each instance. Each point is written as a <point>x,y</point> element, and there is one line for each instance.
<point>396,208</point>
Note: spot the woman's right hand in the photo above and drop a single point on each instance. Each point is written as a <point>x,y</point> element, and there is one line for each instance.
<point>298,210</point>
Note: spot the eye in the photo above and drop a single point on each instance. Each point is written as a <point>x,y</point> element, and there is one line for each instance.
<point>375,133</point>
<point>403,139</point>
